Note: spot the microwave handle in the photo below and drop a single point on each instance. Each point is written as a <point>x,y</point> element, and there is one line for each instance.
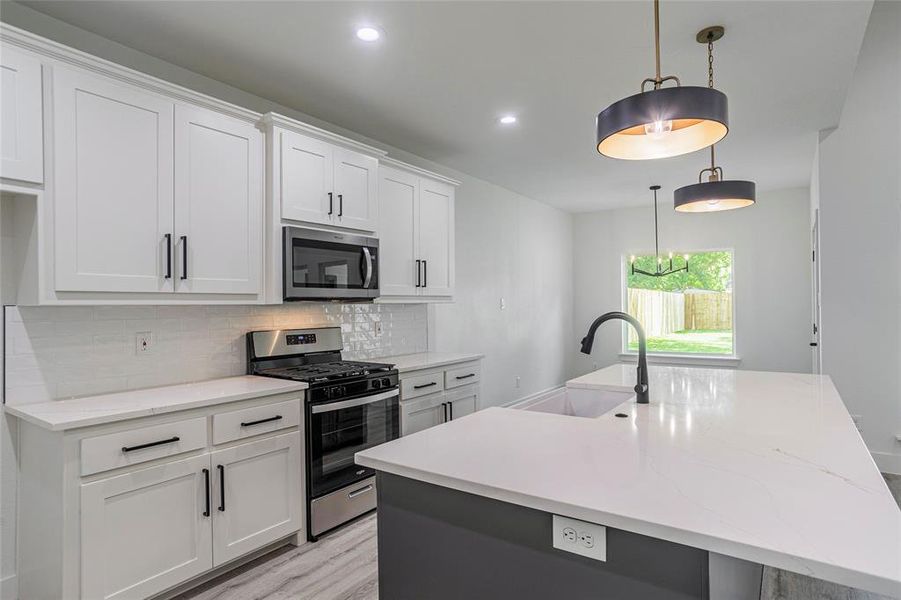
<point>368,256</point>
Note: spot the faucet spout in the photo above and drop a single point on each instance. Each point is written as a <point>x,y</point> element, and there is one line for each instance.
<point>641,388</point>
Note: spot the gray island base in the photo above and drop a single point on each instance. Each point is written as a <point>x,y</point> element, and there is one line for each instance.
<point>459,545</point>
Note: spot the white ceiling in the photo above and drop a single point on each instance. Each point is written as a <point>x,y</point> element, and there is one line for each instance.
<point>445,71</point>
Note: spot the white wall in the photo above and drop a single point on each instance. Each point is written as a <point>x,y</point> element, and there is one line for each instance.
<point>860,229</point>
<point>519,251</point>
<point>771,273</point>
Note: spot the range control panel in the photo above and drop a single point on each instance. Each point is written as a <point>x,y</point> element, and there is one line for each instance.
<point>295,339</point>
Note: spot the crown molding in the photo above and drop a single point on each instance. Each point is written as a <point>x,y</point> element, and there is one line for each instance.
<point>272,119</point>
<point>65,55</point>
<point>393,162</point>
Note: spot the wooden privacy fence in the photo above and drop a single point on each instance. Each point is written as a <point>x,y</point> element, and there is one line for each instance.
<point>662,313</point>
<point>708,310</point>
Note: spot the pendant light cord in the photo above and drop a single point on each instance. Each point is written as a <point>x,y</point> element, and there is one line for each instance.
<point>658,79</point>
<point>713,167</point>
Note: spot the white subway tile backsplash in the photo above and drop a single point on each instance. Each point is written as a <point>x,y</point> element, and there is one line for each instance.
<point>59,352</point>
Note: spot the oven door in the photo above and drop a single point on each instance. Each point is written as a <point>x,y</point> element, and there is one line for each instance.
<point>324,265</point>
<point>338,430</point>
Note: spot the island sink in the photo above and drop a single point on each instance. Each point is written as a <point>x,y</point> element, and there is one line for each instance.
<point>579,403</point>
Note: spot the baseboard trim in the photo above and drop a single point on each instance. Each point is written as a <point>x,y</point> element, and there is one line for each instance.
<point>9,587</point>
<point>546,393</point>
<point>888,463</point>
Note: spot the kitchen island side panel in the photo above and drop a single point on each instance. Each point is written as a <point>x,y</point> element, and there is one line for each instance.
<point>458,545</point>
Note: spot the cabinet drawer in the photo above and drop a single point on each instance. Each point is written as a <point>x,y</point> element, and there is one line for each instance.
<point>246,422</point>
<point>463,375</point>
<point>141,444</point>
<point>420,385</point>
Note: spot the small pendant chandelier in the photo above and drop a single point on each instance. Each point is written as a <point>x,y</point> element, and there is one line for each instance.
<point>716,193</point>
<point>662,122</point>
<point>660,271</point>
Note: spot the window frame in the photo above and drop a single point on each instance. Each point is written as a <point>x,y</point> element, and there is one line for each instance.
<point>681,357</point>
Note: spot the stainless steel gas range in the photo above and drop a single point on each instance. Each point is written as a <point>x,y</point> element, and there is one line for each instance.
<point>350,406</point>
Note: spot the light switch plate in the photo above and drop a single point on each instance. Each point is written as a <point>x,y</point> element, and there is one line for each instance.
<point>580,537</point>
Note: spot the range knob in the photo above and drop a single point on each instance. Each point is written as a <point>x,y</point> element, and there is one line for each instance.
<point>386,382</point>
<point>376,384</point>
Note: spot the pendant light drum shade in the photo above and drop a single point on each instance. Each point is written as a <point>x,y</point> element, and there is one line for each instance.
<point>712,196</point>
<point>663,122</point>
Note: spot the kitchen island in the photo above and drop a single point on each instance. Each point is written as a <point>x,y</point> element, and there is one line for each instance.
<point>757,467</point>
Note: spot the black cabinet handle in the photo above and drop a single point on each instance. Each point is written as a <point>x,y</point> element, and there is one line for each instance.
<point>184,257</point>
<point>418,273</point>
<point>813,344</point>
<point>424,385</point>
<point>330,203</point>
<point>425,273</point>
<point>450,408</point>
<point>206,477</point>
<point>171,440</point>
<point>340,205</point>
<point>466,376</point>
<point>444,406</point>
<point>221,487</point>
<point>268,420</point>
<point>168,256</point>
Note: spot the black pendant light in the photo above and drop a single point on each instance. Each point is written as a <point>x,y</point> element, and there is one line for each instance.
<point>660,270</point>
<point>716,193</point>
<point>662,122</point>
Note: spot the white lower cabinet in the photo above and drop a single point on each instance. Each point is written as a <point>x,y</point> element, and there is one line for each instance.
<point>145,531</point>
<point>94,526</point>
<point>433,396</point>
<point>422,413</point>
<point>256,495</point>
<point>462,401</point>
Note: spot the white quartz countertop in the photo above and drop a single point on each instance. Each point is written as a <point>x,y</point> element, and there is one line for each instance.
<point>426,360</point>
<point>59,415</point>
<point>766,467</point>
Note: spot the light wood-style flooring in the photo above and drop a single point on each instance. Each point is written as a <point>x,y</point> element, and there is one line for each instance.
<point>344,566</point>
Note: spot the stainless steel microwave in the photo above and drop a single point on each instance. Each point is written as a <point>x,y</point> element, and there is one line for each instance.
<point>322,265</point>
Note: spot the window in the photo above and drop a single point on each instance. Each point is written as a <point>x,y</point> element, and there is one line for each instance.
<point>686,312</point>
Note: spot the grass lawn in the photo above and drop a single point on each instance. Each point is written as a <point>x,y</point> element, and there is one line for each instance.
<point>696,341</point>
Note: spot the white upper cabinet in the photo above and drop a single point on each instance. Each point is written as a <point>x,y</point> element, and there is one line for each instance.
<point>325,184</point>
<point>416,236</point>
<point>307,177</point>
<point>356,190</point>
<point>218,203</point>
<point>436,237</point>
<point>398,239</point>
<point>113,161</point>
<point>21,130</point>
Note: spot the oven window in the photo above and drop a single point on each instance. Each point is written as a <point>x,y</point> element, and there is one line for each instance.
<point>339,434</point>
<point>318,264</point>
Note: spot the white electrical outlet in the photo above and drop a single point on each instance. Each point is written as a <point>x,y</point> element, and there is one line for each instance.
<point>378,328</point>
<point>503,304</point>
<point>580,537</point>
<point>143,342</point>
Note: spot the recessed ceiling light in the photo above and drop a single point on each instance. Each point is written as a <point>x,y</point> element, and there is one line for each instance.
<point>368,34</point>
<point>507,120</point>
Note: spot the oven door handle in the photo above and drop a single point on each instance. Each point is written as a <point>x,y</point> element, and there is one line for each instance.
<point>368,256</point>
<point>321,408</point>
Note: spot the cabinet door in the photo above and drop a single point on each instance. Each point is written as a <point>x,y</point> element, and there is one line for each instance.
<point>398,242</point>
<point>113,185</point>
<point>464,401</point>
<point>356,189</point>
<point>145,531</point>
<point>436,237</point>
<point>256,495</point>
<point>422,413</point>
<point>307,179</point>
<point>218,203</point>
<point>21,131</point>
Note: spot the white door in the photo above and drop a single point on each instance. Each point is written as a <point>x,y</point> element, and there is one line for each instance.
<point>436,237</point>
<point>145,531</point>
<point>307,179</point>
<point>398,242</point>
<point>21,131</point>
<point>356,189</point>
<point>113,156</point>
<point>256,495</point>
<point>422,413</point>
<point>218,203</point>
<point>463,402</point>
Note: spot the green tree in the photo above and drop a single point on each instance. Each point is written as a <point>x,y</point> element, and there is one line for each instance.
<point>706,271</point>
